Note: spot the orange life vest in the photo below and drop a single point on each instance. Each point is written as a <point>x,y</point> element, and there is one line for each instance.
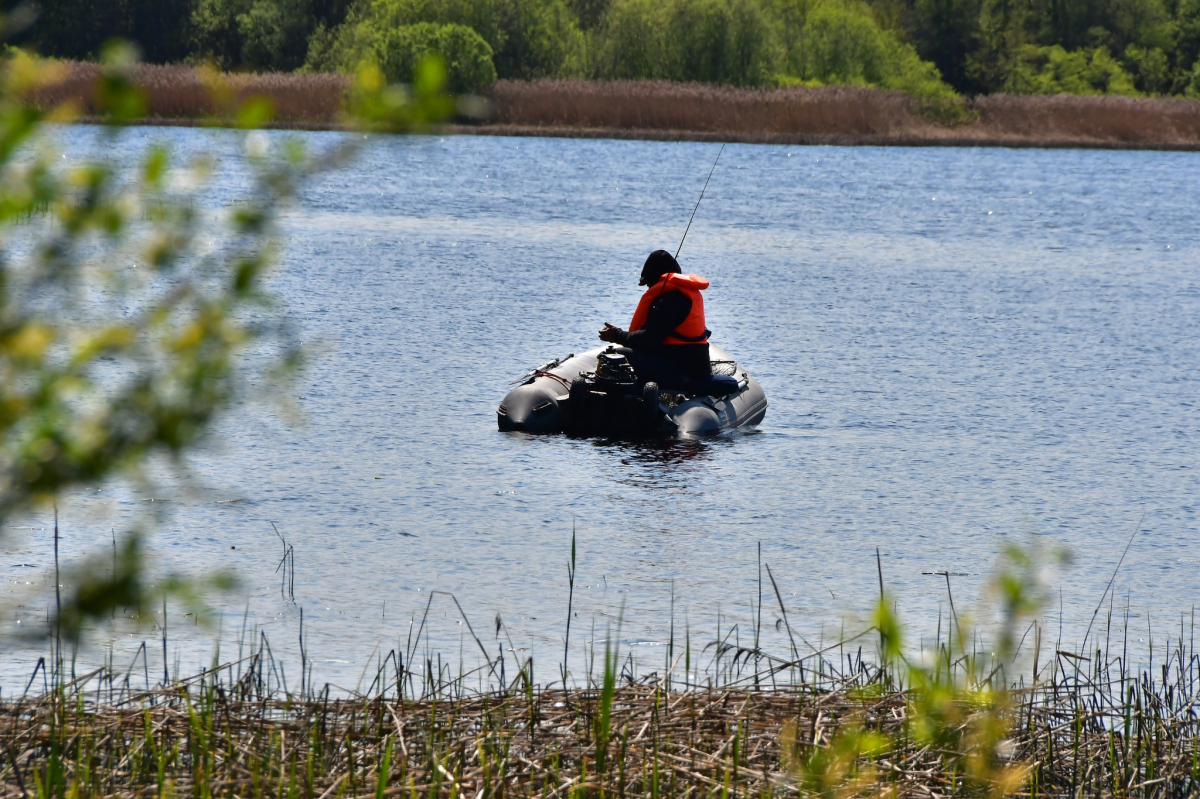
<point>692,330</point>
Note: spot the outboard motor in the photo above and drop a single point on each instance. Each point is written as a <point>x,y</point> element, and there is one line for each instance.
<point>613,369</point>
<point>610,401</point>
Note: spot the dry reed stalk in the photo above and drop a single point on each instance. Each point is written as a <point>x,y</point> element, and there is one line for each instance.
<point>1090,729</point>
<point>180,92</point>
<point>484,745</point>
<point>840,115</point>
<point>659,105</point>
<point>1103,119</point>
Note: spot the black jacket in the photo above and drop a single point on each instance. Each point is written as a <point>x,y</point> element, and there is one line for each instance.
<point>667,313</point>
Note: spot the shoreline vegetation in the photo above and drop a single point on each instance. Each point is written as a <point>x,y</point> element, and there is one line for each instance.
<point>744,724</point>
<point>973,712</point>
<point>660,110</point>
<point>1045,73</point>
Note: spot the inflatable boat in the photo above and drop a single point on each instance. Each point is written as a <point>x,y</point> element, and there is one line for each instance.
<point>596,393</point>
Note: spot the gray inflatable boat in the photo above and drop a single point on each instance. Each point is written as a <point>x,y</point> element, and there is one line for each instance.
<point>595,393</point>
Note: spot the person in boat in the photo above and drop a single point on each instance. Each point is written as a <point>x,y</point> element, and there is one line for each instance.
<point>667,341</point>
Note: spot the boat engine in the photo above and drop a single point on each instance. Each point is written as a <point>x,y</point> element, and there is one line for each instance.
<point>612,401</point>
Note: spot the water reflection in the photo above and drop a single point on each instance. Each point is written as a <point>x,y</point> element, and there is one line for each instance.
<point>671,452</point>
<point>656,464</point>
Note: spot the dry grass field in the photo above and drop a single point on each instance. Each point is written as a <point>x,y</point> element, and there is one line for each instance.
<point>671,111</point>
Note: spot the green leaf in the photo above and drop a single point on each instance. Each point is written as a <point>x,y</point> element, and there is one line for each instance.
<point>255,113</point>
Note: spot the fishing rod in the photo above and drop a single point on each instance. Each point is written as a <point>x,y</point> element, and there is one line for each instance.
<point>697,208</point>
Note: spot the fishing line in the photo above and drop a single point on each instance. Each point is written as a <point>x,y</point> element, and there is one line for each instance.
<point>697,208</point>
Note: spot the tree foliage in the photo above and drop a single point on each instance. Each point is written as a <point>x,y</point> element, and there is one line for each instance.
<point>116,341</point>
<point>260,34</point>
<point>468,58</point>
<point>132,313</point>
<point>974,46</point>
<point>80,29</point>
<point>1053,70</point>
<point>528,38</point>
<point>984,45</point>
<point>711,41</point>
<point>844,45</point>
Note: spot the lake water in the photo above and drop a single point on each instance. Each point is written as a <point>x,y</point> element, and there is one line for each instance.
<point>961,348</point>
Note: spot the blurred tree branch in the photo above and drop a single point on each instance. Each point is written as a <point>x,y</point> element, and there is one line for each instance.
<point>125,331</point>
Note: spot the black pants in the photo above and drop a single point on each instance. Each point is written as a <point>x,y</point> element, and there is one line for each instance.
<point>671,373</point>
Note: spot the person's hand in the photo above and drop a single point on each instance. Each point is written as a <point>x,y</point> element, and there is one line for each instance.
<point>610,333</point>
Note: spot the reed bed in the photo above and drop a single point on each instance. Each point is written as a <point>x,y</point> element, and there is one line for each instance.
<point>1115,120</point>
<point>181,93</point>
<point>673,111</point>
<point>663,106</point>
<point>839,115</point>
<point>1089,727</point>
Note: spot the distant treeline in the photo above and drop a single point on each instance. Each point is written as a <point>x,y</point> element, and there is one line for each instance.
<point>934,49</point>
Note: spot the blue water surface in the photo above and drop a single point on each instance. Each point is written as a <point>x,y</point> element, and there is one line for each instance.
<point>962,348</point>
